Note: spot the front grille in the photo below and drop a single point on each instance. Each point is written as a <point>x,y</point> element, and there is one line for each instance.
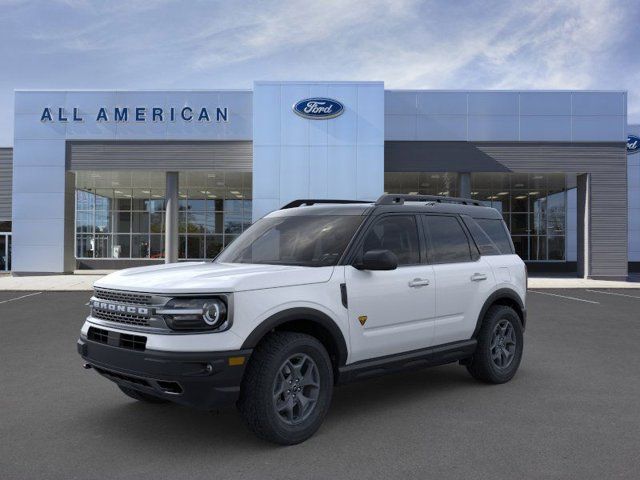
<point>123,297</point>
<point>133,342</point>
<point>122,340</point>
<point>98,335</point>
<point>119,317</point>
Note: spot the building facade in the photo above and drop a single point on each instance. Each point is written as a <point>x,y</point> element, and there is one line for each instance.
<point>107,179</point>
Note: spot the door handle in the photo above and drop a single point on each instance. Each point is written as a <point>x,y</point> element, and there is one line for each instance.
<point>477,277</point>
<point>419,282</point>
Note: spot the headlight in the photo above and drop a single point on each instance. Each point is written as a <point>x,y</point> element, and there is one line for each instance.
<point>196,314</point>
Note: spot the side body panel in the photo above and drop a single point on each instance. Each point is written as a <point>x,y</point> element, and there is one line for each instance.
<point>254,307</point>
<point>461,290</point>
<point>399,317</point>
<point>510,272</point>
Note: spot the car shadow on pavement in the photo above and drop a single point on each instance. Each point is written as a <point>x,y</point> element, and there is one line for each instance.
<point>192,431</point>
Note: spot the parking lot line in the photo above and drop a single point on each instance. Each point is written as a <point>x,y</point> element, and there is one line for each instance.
<point>565,296</point>
<point>23,296</point>
<point>614,293</point>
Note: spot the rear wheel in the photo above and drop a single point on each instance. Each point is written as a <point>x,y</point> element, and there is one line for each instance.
<point>141,396</point>
<point>500,344</point>
<point>287,388</point>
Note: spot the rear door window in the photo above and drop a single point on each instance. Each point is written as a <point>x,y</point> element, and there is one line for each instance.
<point>447,241</point>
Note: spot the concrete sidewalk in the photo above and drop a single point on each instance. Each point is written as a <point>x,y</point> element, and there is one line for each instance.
<point>83,280</point>
<point>568,282</point>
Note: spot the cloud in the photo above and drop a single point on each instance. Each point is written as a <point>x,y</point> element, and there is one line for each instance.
<point>442,44</point>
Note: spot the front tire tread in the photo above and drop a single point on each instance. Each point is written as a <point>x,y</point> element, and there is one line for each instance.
<point>255,403</point>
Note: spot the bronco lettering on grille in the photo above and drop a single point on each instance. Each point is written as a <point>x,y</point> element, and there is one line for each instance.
<point>117,308</point>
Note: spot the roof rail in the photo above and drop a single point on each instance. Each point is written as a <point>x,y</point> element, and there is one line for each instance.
<point>310,201</point>
<point>399,199</point>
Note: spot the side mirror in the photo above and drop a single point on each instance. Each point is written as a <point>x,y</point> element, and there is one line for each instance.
<point>378,260</point>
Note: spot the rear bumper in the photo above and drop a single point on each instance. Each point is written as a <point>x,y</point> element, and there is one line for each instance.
<point>203,380</point>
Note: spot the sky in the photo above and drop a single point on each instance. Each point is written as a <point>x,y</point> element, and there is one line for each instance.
<point>197,44</point>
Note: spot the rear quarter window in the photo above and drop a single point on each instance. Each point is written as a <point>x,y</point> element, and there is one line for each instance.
<point>497,232</point>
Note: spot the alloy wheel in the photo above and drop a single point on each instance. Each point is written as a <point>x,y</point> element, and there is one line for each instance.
<point>503,344</point>
<point>296,389</point>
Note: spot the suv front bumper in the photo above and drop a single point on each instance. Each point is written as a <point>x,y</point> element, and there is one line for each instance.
<point>203,380</point>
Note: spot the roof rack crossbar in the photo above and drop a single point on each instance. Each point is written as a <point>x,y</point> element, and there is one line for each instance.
<point>399,199</point>
<point>311,201</point>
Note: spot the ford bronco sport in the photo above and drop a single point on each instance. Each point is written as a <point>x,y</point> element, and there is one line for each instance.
<point>315,294</point>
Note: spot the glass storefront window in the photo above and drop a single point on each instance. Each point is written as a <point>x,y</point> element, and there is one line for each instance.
<point>101,246</point>
<point>421,183</point>
<point>533,204</point>
<point>534,208</point>
<point>122,214</point>
<point>5,246</point>
<point>156,246</point>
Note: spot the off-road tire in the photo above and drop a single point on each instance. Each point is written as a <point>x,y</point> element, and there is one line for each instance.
<point>141,396</point>
<point>482,366</point>
<point>257,402</point>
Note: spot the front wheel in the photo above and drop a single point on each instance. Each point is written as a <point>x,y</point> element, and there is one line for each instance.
<point>500,343</point>
<point>287,388</point>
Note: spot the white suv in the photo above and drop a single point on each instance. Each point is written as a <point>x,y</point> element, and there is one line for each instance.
<point>318,293</point>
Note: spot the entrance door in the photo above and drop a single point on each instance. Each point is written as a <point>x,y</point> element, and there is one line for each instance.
<point>5,252</point>
<point>391,311</point>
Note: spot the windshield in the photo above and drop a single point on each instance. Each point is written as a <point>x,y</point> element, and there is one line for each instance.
<point>310,241</point>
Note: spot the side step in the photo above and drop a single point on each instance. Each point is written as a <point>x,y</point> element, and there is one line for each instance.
<point>426,357</point>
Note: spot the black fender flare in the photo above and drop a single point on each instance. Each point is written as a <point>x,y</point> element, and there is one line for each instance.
<point>500,294</point>
<point>297,314</point>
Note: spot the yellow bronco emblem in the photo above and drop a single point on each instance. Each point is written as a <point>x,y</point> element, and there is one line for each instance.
<point>362,319</point>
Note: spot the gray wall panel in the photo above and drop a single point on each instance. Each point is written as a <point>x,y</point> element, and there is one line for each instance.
<point>6,181</point>
<point>499,116</point>
<point>545,103</point>
<point>545,128</point>
<point>493,103</point>
<point>441,103</point>
<point>598,103</point>
<point>606,162</point>
<point>160,155</point>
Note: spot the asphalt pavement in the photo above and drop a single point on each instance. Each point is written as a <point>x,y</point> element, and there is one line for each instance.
<point>572,411</point>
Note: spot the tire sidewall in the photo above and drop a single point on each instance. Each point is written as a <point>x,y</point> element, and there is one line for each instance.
<point>501,375</point>
<point>303,430</point>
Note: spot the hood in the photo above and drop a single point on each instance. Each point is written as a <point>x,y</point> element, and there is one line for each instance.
<point>207,277</point>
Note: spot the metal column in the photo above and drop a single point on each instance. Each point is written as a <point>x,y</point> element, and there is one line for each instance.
<point>171,235</point>
<point>464,185</point>
<point>584,230</point>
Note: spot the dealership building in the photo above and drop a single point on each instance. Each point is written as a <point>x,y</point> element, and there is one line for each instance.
<point>110,179</point>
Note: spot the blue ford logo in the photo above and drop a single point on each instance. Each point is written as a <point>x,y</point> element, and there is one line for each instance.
<point>318,108</point>
<point>633,144</point>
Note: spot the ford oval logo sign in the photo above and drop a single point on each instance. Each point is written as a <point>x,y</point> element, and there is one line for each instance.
<point>318,108</point>
<point>633,144</point>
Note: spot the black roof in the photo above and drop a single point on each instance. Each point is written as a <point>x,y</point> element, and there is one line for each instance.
<point>391,203</point>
